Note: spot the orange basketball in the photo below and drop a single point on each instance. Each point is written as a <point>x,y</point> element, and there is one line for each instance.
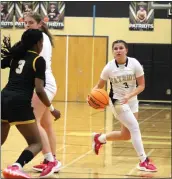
<point>98,98</point>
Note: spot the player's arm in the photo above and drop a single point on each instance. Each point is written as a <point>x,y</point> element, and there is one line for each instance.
<point>6,63</point>
<point>6,53</point>
<point>101,83</point>
<point>39,68</point>
<point>141,86</point>
<point>139,73</point>
<point>103,78</point>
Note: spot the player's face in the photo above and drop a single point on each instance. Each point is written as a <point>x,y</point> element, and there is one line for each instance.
<point>52,6</point>
<point>30,23</point>
<point>119,51</point>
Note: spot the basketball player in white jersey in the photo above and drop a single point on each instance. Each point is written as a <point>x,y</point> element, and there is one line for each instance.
<point>123,73</point>
<point>43,116</point>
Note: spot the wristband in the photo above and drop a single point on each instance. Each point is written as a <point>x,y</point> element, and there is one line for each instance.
<point>51,108</point>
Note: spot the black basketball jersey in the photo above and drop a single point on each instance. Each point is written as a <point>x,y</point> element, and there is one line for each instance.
<point>23,73</point>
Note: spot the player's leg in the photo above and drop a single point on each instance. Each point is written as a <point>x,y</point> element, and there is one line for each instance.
<point>31,134</point>
<point>124,134</point>
<point>5,127</point>
<point>48,166</point>
<point>127,118</point>
<point>145,165</point>
<point>39,110</point>
<point>47,124</point>
<point>129,124</point>
<point>5,110</point>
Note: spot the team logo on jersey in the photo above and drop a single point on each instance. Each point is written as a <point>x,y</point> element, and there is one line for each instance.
<point>123,78</point>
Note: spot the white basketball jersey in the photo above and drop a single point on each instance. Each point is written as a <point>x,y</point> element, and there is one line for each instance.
<point>122,76</point>
<point>47,54</point>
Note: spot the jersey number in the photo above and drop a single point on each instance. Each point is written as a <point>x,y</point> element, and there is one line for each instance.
<point>126,85</point>
<point>21,64</point>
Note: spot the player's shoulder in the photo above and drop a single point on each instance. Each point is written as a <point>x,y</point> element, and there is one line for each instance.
<point>111,63</point>
<point>133,60</point>
<point>39,58</point>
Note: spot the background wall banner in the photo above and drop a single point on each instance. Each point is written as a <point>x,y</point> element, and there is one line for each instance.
<point>141,16</point>
<point>53,13</point>
<point>7,12</point>
<point>22,7</point>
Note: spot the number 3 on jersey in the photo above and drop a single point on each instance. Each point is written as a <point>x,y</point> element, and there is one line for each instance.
<point>126,85</point>
<point>21,64</point>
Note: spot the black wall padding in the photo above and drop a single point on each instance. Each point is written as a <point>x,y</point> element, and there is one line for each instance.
<point>118,9</point>
<point>161,71</point>
<point>157,63</point>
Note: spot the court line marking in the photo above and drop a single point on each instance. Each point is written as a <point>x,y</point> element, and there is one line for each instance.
<point>151,116</point>
<point>132,170</point>
<point>82,156</point>
<point>75,160</point>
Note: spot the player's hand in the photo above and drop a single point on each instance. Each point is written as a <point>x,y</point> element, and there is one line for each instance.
<point>56,114</point>
<point>125,99</point>
<point>7,42</point>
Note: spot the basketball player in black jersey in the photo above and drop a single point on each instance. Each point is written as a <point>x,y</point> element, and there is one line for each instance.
<point>27,71</point>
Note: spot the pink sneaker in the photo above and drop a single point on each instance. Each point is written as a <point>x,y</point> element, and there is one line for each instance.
<point>40,167</point>
<point>96,144</point>
<point>44,164</point>
<point>14,172</point>
<point>50,169</point>
<point>147,166</point>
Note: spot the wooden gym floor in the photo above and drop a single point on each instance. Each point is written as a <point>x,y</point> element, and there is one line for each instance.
<point>116,159</point>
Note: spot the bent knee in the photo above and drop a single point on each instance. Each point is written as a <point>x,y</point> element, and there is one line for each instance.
<point>126,137</point>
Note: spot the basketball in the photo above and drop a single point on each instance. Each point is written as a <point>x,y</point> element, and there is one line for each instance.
<point>98,98</point>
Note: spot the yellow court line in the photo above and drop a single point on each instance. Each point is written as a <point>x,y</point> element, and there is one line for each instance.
<point>87,134</point>
<point>152,142</point>
<point>156,137</point>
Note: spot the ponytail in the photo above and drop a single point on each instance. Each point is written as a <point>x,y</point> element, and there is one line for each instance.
<point>44,28</point>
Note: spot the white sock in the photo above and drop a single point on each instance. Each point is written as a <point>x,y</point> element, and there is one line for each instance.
<point>17,164</point>
<point>127,118</point>
<point>49,157</point>
<point>102,138</point>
